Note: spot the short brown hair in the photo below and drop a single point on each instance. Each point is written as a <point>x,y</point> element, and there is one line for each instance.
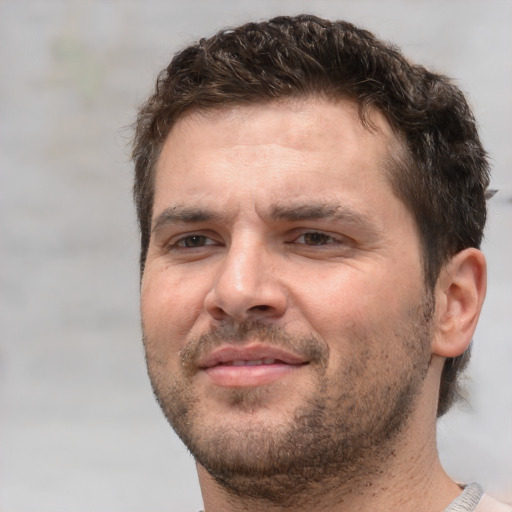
<point>443,177</point>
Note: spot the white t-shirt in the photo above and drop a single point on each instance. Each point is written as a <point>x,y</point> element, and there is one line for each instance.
<point>473,499</point>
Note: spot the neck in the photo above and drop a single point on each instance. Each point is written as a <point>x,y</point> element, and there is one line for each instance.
<point>409,478</point>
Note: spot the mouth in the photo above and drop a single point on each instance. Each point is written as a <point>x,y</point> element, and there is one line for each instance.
<point>249,366</point>
<point>253,362</point>
<point>255,354</point>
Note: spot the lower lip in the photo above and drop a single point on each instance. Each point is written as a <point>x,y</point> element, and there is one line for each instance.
<point>250,376</point>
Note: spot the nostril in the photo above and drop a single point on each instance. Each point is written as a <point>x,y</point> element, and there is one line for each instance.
<point>260,308</point>
<point>250,299</point>
<point>218,313</point>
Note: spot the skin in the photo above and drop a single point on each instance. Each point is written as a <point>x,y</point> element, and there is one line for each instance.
<point>277,238</point>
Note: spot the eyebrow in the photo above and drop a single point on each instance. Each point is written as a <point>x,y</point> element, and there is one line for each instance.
<point>322,211</point>
<point>288,212</point>
<point>175,214</point>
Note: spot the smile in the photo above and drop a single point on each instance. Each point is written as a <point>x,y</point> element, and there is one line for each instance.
<point>250,365</point>
<point>253,354</point>
<point>253,362</point>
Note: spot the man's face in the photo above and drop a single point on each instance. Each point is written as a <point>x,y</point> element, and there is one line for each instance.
<point>285,319</point>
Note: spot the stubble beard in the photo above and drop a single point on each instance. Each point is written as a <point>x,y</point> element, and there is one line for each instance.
<point>344,431</point>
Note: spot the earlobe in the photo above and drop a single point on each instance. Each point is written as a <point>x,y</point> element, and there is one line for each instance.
<point>460,293</point>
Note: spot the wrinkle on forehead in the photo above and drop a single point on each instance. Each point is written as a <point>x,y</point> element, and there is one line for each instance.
<point>265,140</point>
<point>299,119</point>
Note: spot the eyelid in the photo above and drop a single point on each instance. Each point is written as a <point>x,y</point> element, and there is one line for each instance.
<point>336,238</point>
<point>181,242</point>
<point>330,239</point>
<point>175,241</point>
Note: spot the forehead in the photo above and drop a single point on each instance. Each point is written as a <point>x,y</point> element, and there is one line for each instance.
<point>289,120</point>
<point>292,146</point>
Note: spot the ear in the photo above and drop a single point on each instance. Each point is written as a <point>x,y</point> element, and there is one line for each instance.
<point>460,292</point>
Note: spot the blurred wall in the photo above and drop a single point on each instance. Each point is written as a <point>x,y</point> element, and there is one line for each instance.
<point>79,429</point>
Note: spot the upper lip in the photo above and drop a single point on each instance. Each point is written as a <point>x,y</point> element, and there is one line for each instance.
<point>251,352</point>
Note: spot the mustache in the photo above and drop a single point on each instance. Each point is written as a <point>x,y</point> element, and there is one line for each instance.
<point>236,333</point>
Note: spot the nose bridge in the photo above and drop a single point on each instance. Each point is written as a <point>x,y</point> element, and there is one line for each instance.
<point>246,284</point>
<point>240,267</point>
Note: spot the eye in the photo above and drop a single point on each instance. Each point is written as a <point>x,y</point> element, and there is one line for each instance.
<point>315,238</point>
<point>192,241</point>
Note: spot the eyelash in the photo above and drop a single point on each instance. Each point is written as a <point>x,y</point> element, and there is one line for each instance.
<point>317,239</point>
<point>322,239</point>
<point>181,244</point>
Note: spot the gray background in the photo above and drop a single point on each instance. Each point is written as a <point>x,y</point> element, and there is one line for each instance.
<point>79,429</point>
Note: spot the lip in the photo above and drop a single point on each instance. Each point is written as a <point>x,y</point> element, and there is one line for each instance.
<point>227,354</point>
<point>219,367</point>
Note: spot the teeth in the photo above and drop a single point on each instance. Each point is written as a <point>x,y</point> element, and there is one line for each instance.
<point>238,363</point>
<point>254,362</point>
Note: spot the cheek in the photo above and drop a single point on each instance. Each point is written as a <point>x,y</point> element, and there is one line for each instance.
<point>170,307</point>
<point>357,312</point>
<point>347,299</point>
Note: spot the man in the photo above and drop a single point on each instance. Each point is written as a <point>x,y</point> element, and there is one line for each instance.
<point>311,208</point>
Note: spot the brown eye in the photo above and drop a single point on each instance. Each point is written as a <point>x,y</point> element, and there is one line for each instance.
<point>193,241</point>
<point>315,238</point>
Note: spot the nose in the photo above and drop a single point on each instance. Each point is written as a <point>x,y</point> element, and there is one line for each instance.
<point>247,285</point>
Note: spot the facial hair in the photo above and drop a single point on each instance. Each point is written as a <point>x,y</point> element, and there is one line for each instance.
<point>344,429</point>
